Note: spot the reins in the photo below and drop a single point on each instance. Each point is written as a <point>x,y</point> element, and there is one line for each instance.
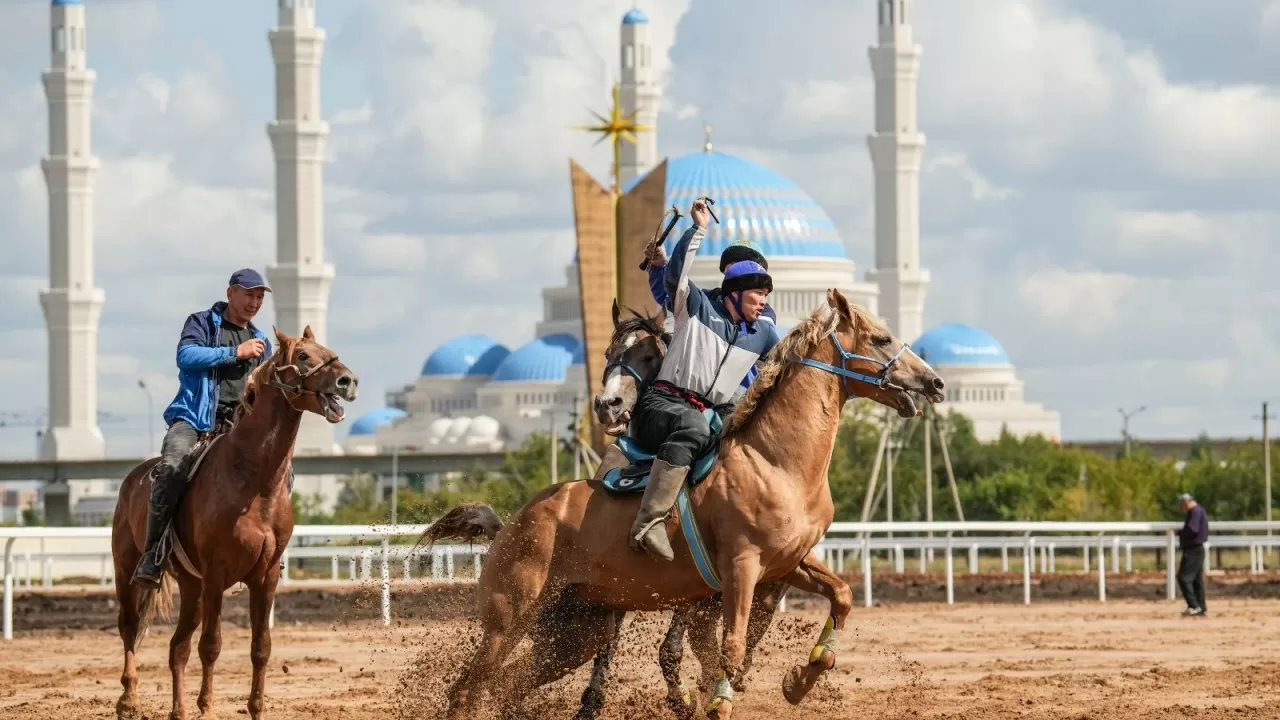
<point>880,379</point>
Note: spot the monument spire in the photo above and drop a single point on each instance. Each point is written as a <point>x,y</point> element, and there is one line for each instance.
<point>72,305</point>
<point>896,148</point>
<point>640,94</point>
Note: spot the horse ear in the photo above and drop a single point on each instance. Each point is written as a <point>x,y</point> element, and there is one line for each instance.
<point>307,334</point>
<point>281,338</point>
<point>840,303</point>
<point>617,312</point>
<point>661,318</point>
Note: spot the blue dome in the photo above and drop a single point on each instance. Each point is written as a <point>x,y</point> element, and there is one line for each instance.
<point>754,204</point>
<point>635,16</point>
<point>467,355</point>
<point>367,424</point>
<point>56,3</point>
<point>579,356</point>
<point>959,344</point>
<point>545,359</point>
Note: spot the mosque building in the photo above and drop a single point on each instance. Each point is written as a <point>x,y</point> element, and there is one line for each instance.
<point>474,394</point>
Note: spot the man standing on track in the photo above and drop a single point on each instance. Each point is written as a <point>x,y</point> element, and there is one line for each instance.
<point>1192,537</point>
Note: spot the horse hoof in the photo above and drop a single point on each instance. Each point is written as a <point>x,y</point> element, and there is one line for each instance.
<point>797,683</point>
<point>682,707</point>
<point>127,710</point>
<point>721,711</point>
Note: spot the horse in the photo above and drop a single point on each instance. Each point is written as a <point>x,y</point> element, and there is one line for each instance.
<point>232,523</point>
<point>633,359</point>
<point>562,568</point>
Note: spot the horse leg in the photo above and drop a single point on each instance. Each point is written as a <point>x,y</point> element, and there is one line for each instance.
<point>593,697</point>
<point>763,608</point>
<point>180,643</point>
<point>701,622</point>
<point>128,620</point>
<point>505,616</point>
<point>670,653</point>
<point>739,585</point>
<point>566,635</point>
<point>812,576</point>
<point>210,641</point>
<point>261,596</point>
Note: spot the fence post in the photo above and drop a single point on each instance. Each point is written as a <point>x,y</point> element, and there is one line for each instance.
<point>1170,589</point>
<point>386,581</point>
<point>951,577</point>
<point>866,570</point>
<point>1004,557</point>
<point>1028,557</point>
<point>8,606</point>
<point>1102,570</point>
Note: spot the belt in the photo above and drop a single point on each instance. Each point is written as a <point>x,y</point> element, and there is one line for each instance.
<point>689,397</point>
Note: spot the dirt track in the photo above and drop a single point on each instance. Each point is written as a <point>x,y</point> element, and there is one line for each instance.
<point>1125,659</point>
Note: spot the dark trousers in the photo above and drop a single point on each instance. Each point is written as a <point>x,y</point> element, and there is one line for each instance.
<point>1191,576</point>
<point>670,428</point>
<point>178,441</point>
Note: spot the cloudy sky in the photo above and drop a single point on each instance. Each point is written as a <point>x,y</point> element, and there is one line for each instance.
<point>1097,190</point>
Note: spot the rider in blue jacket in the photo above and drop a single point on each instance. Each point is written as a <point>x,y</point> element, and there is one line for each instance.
<point>218,349</point>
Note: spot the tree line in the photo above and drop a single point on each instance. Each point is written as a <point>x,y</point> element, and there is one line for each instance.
<point>1010,478</point>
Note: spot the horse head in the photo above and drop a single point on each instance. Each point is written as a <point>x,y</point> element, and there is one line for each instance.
<point>310,376</point>
<point>872,362</point>
<point>632,361</point>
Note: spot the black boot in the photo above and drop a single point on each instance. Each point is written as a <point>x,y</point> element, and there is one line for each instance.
<point>165,491</point>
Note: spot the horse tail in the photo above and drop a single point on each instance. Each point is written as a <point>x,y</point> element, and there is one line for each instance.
<point>155,602</point>
<point>464,523</point>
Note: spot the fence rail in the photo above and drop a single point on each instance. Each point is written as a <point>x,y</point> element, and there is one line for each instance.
<point>844,541</point>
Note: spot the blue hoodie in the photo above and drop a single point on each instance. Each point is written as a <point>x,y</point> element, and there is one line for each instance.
<point>199,353</point>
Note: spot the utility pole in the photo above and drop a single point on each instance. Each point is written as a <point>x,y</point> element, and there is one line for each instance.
<point>1266,458</point>
<point>1124,431</point>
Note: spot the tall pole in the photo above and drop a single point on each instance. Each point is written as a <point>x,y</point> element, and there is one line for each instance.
<point>151,418</point>
<point>555,450</point>
<point>888,482</point>
<point>1124,431</point>
<point>577,438</point>
<point>1266,458</point>
<point>395,482</point>
<point>928,472</point>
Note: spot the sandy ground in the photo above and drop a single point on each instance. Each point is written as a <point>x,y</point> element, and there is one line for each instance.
<point>1082,661</point>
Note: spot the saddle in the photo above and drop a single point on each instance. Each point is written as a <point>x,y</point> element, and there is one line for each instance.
<point>187,467</point>
<point>634,478</point>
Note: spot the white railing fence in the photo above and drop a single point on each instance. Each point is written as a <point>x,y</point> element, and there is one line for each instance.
<point>83,551</point>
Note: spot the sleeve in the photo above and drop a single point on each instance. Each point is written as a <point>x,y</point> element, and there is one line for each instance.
<point>193,350</point>
<point>657,285</point>
<point>685,297</point>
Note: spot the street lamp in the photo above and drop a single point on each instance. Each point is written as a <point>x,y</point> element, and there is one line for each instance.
<point>151,431</point>
<point>1124,430</point>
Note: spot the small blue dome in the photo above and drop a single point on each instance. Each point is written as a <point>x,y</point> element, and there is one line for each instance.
<point>56,3</point>
<point>476,355</point>
<point>545,359</point>
<point>579,356</point>
<point>635,16</point>
<point>959,344</point>
<point>368,423</point>
<point>753,203</point>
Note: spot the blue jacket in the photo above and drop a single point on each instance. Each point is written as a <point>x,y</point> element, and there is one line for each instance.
<point>199,353</point>
<point>658,287</point>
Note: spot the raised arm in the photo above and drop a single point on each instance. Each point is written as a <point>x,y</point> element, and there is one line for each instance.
<point>192,353</point>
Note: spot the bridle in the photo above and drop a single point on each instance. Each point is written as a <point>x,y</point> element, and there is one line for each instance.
<point>879,380</point>
<point>618,363</point>
<point>296,388</point>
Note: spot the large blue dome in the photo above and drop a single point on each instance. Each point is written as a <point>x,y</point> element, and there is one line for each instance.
<point>368,423</point>
<point>545,359</point>
<point>635,16</point>
<point>476,355</point>
<point>959,344</point>
<point>754,204</point>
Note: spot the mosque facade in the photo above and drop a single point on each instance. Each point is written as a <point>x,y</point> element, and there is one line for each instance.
<point>476,395</point>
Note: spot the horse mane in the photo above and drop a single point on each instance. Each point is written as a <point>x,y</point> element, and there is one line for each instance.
<point>258,377</point>
<point>778,364</point>
<point>638,323</point>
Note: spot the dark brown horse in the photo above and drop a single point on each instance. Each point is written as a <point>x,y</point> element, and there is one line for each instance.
<point>562,568</point>
<point>232,524</point>
<point>633,359</point>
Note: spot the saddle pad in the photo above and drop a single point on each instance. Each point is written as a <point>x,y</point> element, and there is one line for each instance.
<point>634,478</point>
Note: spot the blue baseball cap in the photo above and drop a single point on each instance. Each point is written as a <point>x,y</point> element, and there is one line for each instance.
<point>249,279</point>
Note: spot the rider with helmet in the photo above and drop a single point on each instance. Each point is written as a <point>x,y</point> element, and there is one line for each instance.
<point>718,337</point>
<point>736,252</point>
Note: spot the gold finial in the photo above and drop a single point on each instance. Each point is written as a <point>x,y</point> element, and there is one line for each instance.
<point>706,145</point>
<point>616,128</point>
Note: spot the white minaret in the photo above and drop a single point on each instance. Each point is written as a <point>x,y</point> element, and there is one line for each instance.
<point>896,148</point>
<point>300,279</point>
<point>72,305</point>
<point>639,94</point>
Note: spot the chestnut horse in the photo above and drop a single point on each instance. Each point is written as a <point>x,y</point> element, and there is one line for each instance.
<point>633,359</point>
<point>562,567</point>
<point>232,523</point>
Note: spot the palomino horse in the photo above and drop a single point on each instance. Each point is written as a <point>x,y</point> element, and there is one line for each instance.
<point>562,567</point>
<point>232,524</point>
<point>633,359</point>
